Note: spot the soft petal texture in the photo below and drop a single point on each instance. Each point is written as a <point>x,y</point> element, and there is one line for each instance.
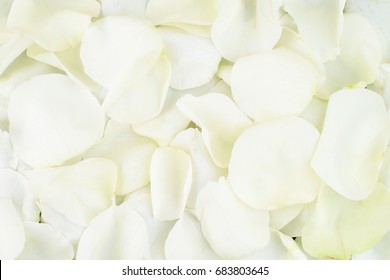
<point>359,59</point>
<point>320,23</point>
<point>80,191</point>
<point>43,242</point>
<point>120,49</point>
<point>280,247</point>
<point>36,19</point>
<point>124,7</point>
<point>384,174</point>
<point>5,6</point>
<point>8,158</point>
<point>11,49</point>
<point>282,216</point>
<point>273,84</point>
<point>221,122</point>
<point>340,227</point>
<point>377,12</point>
<point>170,182</point>
<point>380,251</point>
<point>233,229</point>
<point>203,166</point>
<point>131,153</point>
<point>52,119</point>
<point>245,27</point>
<point>119,233</point>
<point>158,231</point>
<point>194,59</point>
<point>294,228</point>
<point>199,12</point>
<point>315,112</point>
<point>225,71</point>
<point>186,241</point>
<point>270,164</point>
<point>11,230</point>
<point>150,90</point>
<point>353,140</point>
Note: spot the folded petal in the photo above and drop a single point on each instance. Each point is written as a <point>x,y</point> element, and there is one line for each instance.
<point>221,122</point>
<point>52,119</point>
<point>340,227</point>
<point>233,229</point>
<point>170,182</point>
<point>273,84</point>
<point>55,25</point>
<point>353,140</point>
<point>270,164</point>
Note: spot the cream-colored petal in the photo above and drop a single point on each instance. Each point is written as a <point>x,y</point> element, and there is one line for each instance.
<point>221,122</point>
<point>119,233</point>
<point>225,71</point>
<point>80,191</point>
<point>5,6</point>
<point>120,49</point>
<point>54,25</point>
<point>52,119</point>
<point>170,182</point>
<point>294,228</point>
<point>320,23</point>
<point>131,153</point>
<point>233,229</point>
<point>186,241</point>
<point>12,236</point>
<point>11,49</point>
<point>359,59</point>
<point>354,137</point>
<point>245,27</point>
<point>201,12</point>
<point>199,30</point>
<point>8,158</point>
<point>282,216</point>
<point>315,112</point>
<point>194,59</point>
<point>143,99</point>
<point>340,227</point>
<point>124,7</point>
<point>43,242</point>
<point>380,251</point>
<point>273,84</point>
<point>270,164</point>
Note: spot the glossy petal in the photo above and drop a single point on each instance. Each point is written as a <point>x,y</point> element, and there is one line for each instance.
<point>170,182</point>
<point>340,227</point>
<point>118,50</point>
<point>273,84</point>
<point>80,191</point>
<point>55,25</point>
<point>270,164</point>
<point>221,122</point>
<point>52,119</point>
<point>355,134</point>
<point>233,229</point>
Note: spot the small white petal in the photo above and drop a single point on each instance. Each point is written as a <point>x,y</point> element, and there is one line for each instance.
<point>221,122</point>
<point>273,84</point>
<point>270,164</point>
<point>170,182</point>
<point>353,140</point>
<point>119,233</point>
<point>233,229</point>
<point>43,242</point>
<point>52,119</point>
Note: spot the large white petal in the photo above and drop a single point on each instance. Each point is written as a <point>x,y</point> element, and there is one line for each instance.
<point>233,229</point>
<point>142,99</point>
<point>320,23</point>
<point>131,153</point>
<point>221,122</point>
<point>43,242</point>
<point>353,140</point>
<point>80,191</point>
<point>194,59</point>
<point>52,119</point>
<point>245,27</point>
<point>170,182</point>
<point>200,12</point>
<point>340,227</point>
<point>124,7</point>
<point>186,241</point>
<point>273,84</point>
<point>116,50</point>
<point>54,25</point>
<point>117,233</point>
<point>270,164</point>
<point>359,59</point>
<point>12,236</point>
